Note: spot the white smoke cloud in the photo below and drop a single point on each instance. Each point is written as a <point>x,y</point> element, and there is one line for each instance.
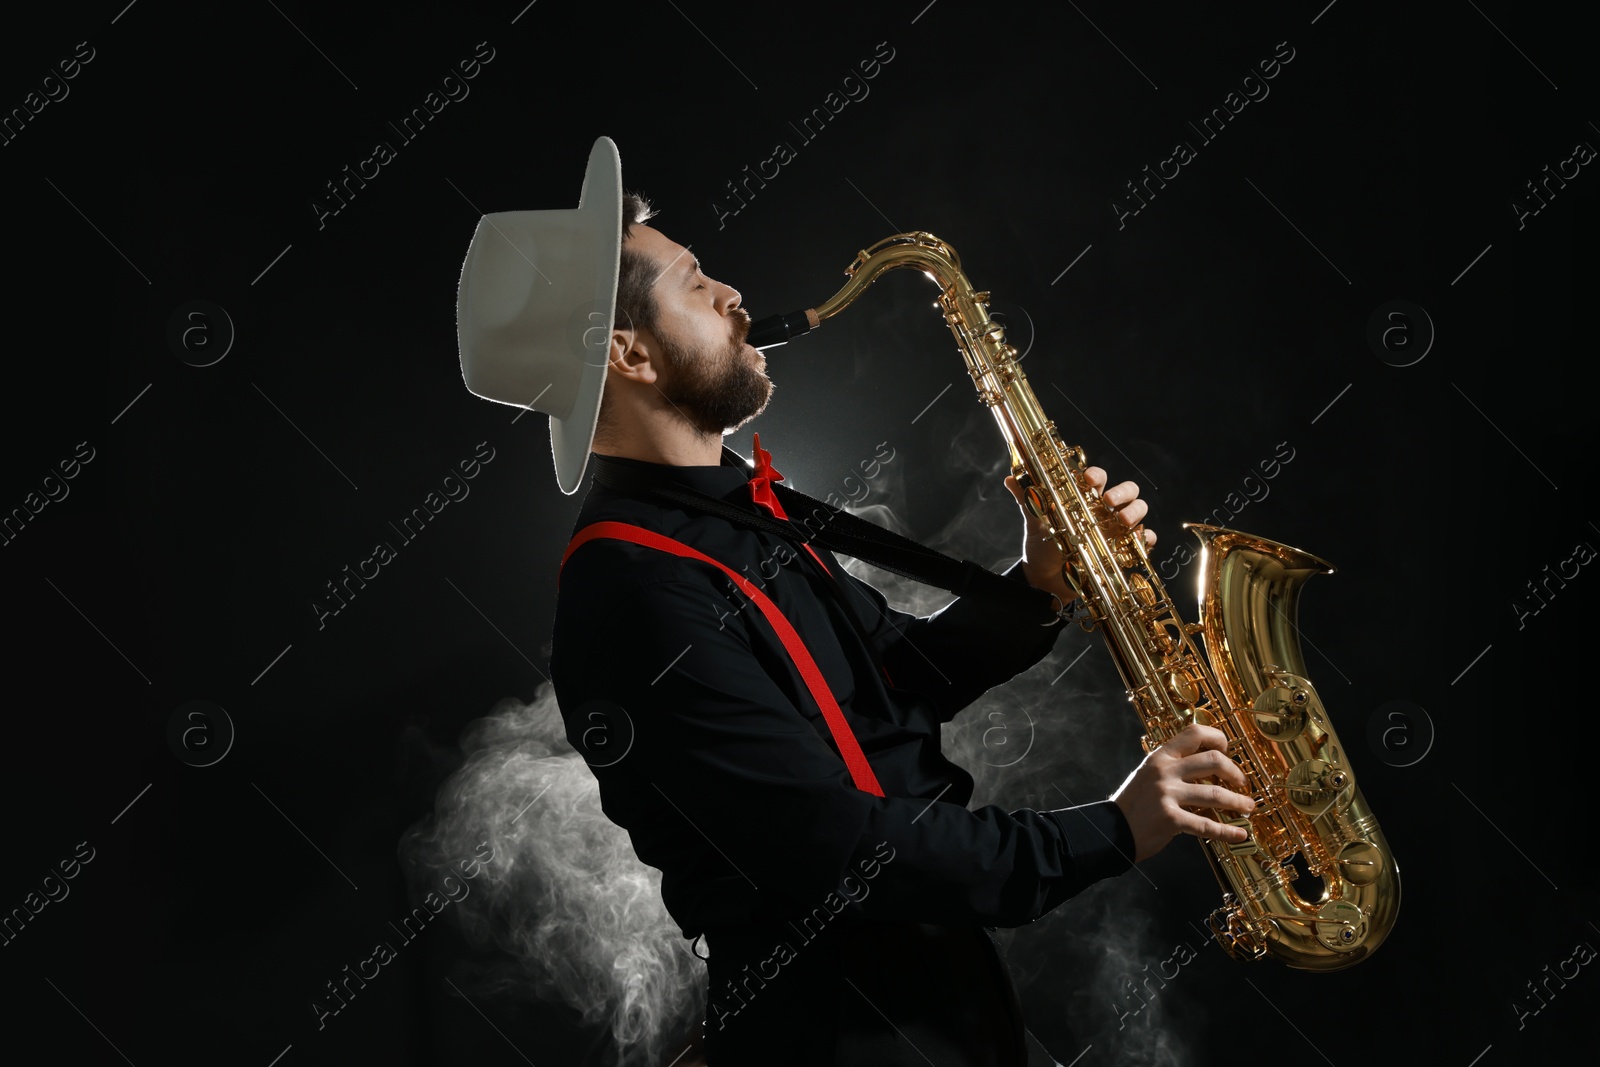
<point>578,917</point>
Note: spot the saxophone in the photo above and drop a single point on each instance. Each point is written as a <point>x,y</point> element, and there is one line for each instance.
<point>1315,886</point>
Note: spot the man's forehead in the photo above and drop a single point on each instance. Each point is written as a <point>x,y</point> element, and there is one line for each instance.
<point>670,257</point>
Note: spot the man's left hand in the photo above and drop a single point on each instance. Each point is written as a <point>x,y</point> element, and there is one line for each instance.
<point>1042,562</point>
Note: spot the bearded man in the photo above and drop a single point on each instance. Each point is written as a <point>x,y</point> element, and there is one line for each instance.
<point>764,725</point>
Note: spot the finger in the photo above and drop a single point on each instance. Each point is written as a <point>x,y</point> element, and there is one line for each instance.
<point>1199,795</point>
<point>1015,490</point>
<point>1134,512</point>
<point>1210,829</point>
<point>1096,477</point>
<point>1208,764</point>
<point>1149,539</point>
<point>1195,738</point>
<point>1121,494</point>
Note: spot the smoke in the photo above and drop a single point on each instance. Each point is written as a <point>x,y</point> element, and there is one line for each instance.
<point>1098,971</point>
<point>577,916</point>
<point>983,528</point>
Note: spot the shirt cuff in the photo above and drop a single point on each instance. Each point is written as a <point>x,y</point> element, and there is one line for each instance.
<point>1098,839</point>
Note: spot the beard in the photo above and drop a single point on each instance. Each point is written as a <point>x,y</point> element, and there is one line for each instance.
<point>717,388</point>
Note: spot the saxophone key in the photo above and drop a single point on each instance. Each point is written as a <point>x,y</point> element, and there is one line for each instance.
<point>1316,786</point>
<point>1360,863</point>
<point>1279,713</point>
<point>1248,846</point>
<point>1181,685</point>
<point>1340,926</point>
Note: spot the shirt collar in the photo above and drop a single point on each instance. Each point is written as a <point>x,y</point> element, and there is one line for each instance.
<point>728,477</point>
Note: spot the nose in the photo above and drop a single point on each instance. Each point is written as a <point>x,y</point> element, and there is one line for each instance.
<point>728,298</point>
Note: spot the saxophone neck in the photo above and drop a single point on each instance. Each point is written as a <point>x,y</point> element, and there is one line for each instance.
<point>920,250</point>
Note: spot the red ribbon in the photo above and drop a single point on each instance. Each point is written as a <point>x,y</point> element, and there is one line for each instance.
<point>761,484</point>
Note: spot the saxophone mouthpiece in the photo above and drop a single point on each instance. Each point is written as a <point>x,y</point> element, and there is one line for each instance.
<point>775,330</point>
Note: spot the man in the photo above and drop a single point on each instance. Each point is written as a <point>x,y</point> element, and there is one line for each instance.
<point>764,725</point>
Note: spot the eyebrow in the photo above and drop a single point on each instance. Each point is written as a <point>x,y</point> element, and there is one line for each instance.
<point>662,273</point>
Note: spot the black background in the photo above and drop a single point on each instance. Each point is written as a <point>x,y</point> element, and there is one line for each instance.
<point>1224,318</point>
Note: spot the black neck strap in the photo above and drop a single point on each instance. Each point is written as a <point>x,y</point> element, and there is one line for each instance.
<point>838,531</point>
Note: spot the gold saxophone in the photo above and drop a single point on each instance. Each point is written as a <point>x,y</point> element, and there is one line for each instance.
<point>1315,885</point>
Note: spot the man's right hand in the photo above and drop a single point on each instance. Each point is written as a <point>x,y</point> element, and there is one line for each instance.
<point>1157,797</point>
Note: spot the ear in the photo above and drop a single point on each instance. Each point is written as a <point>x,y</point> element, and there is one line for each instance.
<point>632,355</point>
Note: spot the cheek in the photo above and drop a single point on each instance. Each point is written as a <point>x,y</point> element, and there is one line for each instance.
<point>689,323</point>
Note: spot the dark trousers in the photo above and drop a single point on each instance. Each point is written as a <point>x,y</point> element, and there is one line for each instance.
<point>860,995</point>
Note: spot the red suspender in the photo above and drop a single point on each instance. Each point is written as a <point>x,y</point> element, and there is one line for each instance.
<point>854,758</point>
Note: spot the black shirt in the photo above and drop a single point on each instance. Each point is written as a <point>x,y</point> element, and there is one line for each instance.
<point>711,752</point>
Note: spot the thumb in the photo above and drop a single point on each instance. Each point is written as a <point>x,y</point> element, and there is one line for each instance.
<point>1015,490</point>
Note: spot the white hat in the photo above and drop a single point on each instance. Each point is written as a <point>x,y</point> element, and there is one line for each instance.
<point>535,307</point>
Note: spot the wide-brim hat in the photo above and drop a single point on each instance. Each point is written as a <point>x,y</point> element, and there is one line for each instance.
<point>535,307</point>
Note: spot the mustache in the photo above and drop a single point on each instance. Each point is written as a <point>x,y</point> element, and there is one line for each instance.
<point>741,325</point>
